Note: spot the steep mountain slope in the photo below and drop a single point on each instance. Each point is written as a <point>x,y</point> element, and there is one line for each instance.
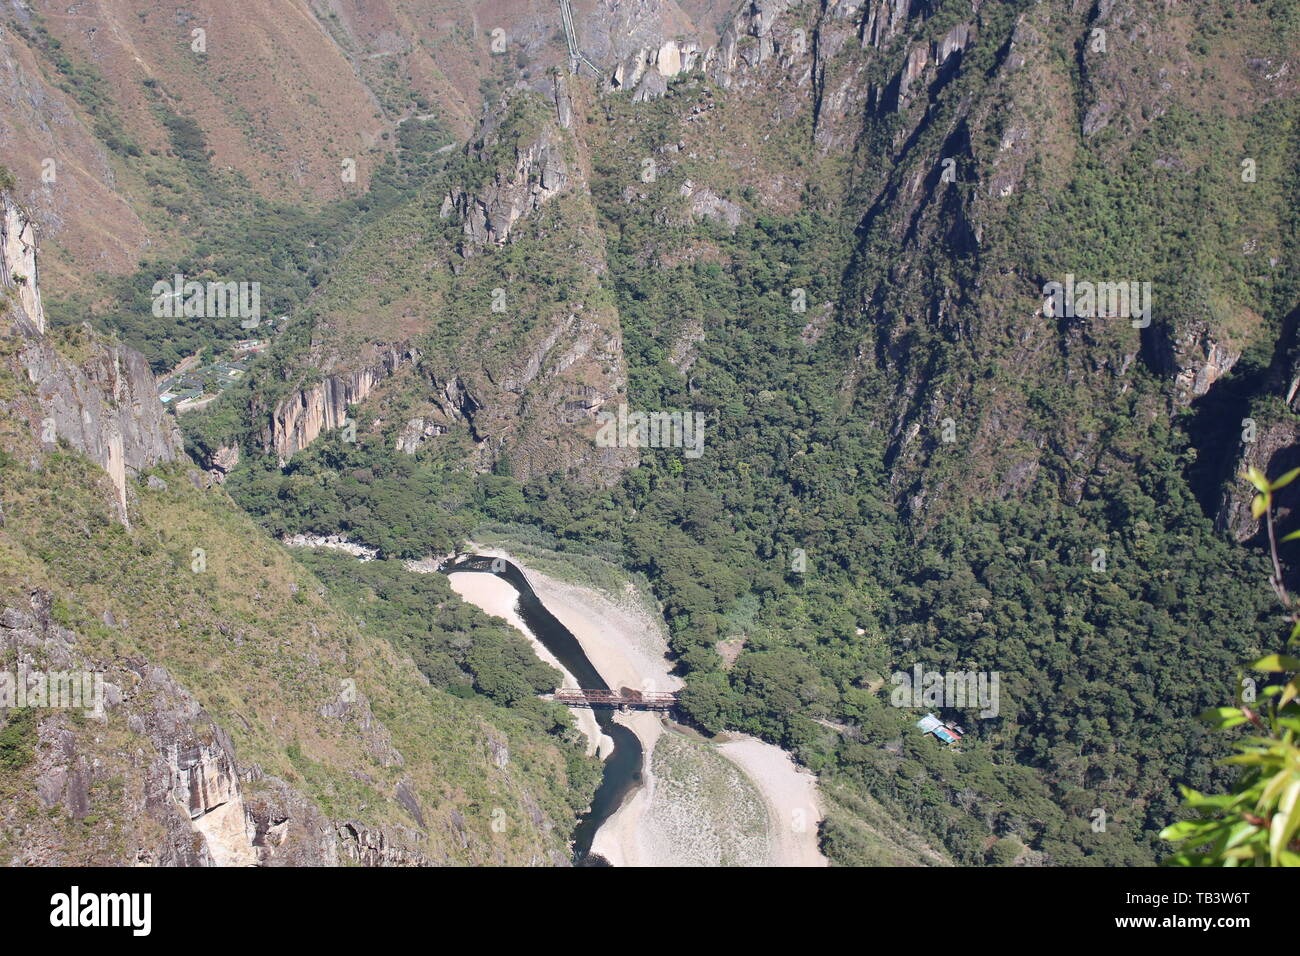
<point>294,102</point>
<point>834,232</point>
<point>246,718</point>
<point>841,232</point>
<point>515,350</point>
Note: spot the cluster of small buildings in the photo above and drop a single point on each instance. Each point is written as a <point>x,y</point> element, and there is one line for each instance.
<point>194,383</point>
<point>949,733</point>
<point>183,388</point>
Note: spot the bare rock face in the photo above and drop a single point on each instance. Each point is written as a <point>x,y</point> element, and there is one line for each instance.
<point>704,203</point>
<point>416,432</point>
<point>917,59</point>
<point>105,406</point>
<point>1273,447</point>
<point>102,401</point>
<point>884,19</point>
<point>652,86</point>
<point>18,260</point>
<point>372,846</point>
<point>625,31</point>
<point>538,174</point>
<point>197,761</point>
<point>649,68</point>
<point>1274,451</point>
<point>657,45</point>
<point>1204,360</point>
<point>224,460</point>
<point>298,420</point>
<point>182,764</point>
<point>1195,355</point>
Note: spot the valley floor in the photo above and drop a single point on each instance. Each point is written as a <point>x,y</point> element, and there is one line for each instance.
<point>737,801</point>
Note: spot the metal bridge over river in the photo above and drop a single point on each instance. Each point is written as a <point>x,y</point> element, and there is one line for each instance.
<point>624,698</point>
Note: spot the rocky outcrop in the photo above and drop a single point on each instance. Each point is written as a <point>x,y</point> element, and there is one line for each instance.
<point>222,462</point>
<point>1273,448</point>
<point>18,260</point>
<point>648,70</point>
<point>1203,361</point>
<point>189,802</point>
<point>296,421</point>
<point>704,203</point>
<point>331,542</point>
<point>197,760</point>
<point>105,406</point>
<point>884,19</point>
<point>372,846</point>
<point>416,433</point>
<point>536,173</point>
<point>927,62</point>
<point>99,397</point>
<point>188,794</point>
<point>749,40</point>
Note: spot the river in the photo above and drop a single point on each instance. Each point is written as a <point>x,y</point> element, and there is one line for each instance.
<point>623,765</point>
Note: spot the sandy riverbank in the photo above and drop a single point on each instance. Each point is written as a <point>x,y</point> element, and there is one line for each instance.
<point>495,596</point>
<point>790,793</point>
<point>628,647</point>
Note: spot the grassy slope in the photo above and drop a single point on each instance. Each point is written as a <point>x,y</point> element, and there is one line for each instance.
<point>260,644</point>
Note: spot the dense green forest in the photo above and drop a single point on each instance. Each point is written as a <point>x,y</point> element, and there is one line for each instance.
<point>805,535</point>
<point>1090,718</point>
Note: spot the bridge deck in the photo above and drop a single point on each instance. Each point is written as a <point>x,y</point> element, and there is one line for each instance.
<point>623,698</point>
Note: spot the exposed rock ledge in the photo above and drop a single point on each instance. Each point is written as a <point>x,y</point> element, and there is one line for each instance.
<point>104,404</point>
<point>298,420</point>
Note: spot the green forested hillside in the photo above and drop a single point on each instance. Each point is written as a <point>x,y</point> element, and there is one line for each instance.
<point>417,718</point>
<point>906,461</point>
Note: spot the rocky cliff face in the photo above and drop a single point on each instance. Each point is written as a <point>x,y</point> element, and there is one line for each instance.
<point>105,405</point>
<point>534,173</point>
<point>298,420</point>
<point>662,47</point>
<point>192,803</point>
<point>18,271</point>
<point>1264,434</point>
<point>97,395</point>
<point>538,174</point>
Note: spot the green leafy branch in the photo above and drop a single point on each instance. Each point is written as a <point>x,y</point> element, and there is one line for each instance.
<point>1256,823</point>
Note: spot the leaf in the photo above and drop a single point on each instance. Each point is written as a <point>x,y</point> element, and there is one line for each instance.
<point>1285,479</point>
<point>1285,821</point>
<point>1245,759</point>
<point>1256,478</point>
<point>1223,717</point>
<point>1258,505</point>
<point>1239,853</point>
<point>1202,830</point>
<point>1277,662</point>
<point>1218,801</point>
